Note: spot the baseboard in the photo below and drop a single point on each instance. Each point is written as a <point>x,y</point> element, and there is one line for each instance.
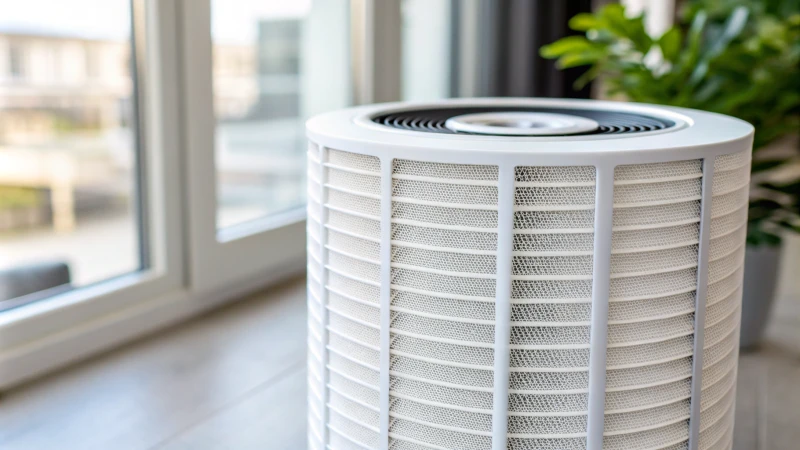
<point>91,338</point>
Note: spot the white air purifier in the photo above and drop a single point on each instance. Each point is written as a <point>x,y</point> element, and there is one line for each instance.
<point>524,274</point>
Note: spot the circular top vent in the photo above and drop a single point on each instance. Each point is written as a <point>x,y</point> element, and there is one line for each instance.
<point>521,121</point>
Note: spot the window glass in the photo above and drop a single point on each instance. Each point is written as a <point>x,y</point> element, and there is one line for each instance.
<point>427,28</point>
<point>68,177</point>
<point>265,87</point>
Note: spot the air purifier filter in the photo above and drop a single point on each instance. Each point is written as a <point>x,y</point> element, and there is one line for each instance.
<point>524,274</point>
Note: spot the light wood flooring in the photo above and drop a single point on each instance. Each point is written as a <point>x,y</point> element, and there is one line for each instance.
<point>235,379</point>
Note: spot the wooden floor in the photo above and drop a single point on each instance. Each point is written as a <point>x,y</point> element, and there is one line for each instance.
<point>235,379</point>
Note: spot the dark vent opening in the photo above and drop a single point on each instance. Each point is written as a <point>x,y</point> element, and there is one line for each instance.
<point>610,122</point>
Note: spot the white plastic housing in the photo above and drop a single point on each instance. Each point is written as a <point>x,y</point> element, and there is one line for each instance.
<point>515,292</point>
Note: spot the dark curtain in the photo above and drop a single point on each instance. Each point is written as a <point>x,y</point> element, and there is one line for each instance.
<point>515,29</point>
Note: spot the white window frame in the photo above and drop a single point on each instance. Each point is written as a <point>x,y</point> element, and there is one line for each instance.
<point>43,335</point>
<point>275,243</point>
<point>242,251</point>
<point>192,265</point>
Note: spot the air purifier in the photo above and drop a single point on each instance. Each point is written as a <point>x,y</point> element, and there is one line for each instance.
<point>524,274</point>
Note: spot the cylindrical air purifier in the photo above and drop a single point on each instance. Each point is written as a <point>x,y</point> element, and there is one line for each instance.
<point>524,274</point>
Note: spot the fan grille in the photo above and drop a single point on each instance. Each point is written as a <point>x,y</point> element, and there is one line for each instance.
<point>433,120</point>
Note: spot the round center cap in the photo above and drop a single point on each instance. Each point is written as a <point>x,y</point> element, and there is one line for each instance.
<point>521,124</point>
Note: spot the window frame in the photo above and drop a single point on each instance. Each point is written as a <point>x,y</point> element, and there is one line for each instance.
<point>219,256</point>
<point>42,335</point>
<point>190,266</point>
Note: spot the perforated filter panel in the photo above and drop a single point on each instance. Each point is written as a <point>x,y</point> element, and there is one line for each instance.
<point>434,285</point>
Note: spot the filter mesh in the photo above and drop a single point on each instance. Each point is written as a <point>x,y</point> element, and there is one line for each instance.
<point>657,216</point>
<point>444,220</point>
<point>731,181</point>
<point>442,303</point>
<point>560,204</point>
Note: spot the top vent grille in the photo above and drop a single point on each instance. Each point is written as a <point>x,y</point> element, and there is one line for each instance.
<point>433,120</point>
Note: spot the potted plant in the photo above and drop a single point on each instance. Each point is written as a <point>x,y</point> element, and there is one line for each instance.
<point>740,58</point>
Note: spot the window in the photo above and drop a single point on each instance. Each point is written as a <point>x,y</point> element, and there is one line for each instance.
<point>260,151</point>
<point>159,172</point>
<point>68,159</point>
<point>269,66</point>
<point>427,29</point>
<point>92,56</point>
<point>16,66</point>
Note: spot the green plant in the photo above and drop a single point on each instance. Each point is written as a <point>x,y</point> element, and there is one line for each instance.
<point>735,57</point>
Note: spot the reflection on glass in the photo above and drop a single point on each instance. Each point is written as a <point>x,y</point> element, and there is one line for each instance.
<point>257,70</point>
<point>67,165</point>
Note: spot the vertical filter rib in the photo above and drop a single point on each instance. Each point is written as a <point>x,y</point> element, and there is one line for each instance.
<point>323,196</point>
<point>604,210</point>
<point>386,297</point>
<point>502,328</point>
<point>700,305</point>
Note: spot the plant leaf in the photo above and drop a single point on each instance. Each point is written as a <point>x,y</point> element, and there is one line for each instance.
<point>757,237</point>
<point>629,28</point>
<point>769,164</point>
<point>708,90</point>
<point>688,59</point>
<point>762,208</point>
<point>793,227</point>
<point>733,28</point>
<point>578,59</point>
<point>565,45</point>
<point>585,22</point>
<point>670,43</point>
<point>586,77</point>
<point>789,188</point>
